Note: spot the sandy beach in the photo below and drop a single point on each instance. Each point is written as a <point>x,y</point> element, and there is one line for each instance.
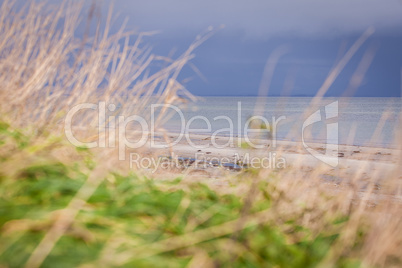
<point>368,160</point>
<point>358,165</point>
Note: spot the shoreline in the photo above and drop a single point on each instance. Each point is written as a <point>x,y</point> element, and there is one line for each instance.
<point>373,161</point>
<point>391,145</point>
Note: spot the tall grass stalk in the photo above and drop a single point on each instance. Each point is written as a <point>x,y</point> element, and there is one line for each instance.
<point>65,206</point>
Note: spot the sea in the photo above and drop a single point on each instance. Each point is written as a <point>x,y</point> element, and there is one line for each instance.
<point>351,121</point>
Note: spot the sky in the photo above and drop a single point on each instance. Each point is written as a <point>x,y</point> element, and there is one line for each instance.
<point>316,34</point>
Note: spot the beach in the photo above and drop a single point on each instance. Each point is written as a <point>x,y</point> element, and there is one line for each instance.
<point>375,162</point>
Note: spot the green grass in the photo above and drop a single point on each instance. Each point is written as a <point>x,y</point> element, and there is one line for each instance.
<point>62,206</point>
<point>135,214</point>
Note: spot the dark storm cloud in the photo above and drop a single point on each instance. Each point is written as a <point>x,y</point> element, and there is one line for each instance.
<point>262,17</point>
<point>318,31</point>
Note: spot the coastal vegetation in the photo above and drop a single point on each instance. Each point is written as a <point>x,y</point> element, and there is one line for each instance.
<point>67,206</point>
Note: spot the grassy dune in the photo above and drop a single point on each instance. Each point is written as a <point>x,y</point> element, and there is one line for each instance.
<point>62,206</point>
<point>137,221</point>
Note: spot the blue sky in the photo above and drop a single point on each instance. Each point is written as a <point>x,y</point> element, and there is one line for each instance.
<point>316,32</point>
<point>232,61</point>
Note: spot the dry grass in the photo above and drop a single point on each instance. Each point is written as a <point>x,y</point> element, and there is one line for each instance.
<point>46,69</point>
<point>266,217</point>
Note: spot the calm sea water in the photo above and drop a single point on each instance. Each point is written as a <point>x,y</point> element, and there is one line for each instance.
<point>358,118</point>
